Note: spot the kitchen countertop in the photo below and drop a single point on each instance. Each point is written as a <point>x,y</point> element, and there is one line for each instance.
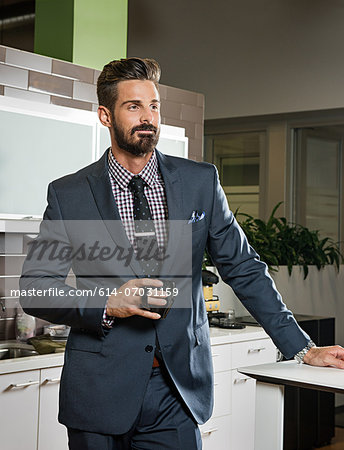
<point>291,373</point>
<point>228,336</point>
<point>31,363</point>
<point>217,336</point>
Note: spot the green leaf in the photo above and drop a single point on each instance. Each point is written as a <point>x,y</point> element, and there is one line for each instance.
<point>279,242</point>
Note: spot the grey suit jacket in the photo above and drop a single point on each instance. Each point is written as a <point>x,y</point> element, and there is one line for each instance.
<point>106,372</point>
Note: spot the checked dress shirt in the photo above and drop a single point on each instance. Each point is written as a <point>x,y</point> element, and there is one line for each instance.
<point>154,191</point>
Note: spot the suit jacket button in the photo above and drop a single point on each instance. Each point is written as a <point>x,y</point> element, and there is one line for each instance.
<point>149,349</point>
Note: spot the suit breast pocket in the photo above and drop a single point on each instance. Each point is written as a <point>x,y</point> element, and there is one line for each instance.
<point>195,227</point>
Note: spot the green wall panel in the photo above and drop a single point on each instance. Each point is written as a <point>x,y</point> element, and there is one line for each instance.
<point>54,28</point>
<point>100,31</point>
<point>85,32</point>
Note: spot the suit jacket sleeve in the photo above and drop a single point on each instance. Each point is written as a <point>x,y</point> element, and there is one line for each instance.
<point>61,304</point>
<point>240,267</point>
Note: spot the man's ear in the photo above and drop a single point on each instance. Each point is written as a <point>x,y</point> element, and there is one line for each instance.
<point>104,116</point>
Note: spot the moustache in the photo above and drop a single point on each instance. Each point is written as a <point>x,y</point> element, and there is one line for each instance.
<point>144,128</point>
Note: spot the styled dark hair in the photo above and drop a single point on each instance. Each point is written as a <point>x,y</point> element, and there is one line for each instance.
<point>121,70</point>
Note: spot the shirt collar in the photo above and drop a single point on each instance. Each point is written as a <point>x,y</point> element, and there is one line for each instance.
<point>123,176</point>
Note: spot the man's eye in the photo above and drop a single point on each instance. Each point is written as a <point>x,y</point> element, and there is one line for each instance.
<point>155,107</point>
<point>133,107</point>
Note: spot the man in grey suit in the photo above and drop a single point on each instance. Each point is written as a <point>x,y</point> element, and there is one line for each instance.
<point>131,378</point>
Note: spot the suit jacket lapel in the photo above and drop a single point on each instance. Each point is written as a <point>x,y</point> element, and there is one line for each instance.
<point>102,192</point>
<point>173,189</point>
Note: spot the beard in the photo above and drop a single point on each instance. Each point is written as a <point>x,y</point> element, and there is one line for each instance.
<point>138,147</point>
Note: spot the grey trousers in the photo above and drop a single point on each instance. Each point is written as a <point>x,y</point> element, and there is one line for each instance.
<point>164,423</point>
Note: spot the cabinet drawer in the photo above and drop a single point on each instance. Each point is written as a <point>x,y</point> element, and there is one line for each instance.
<point>222,393</point>
<point>250,353</point>
<point>216,433</point>
<point>19,381</point>
<point>222,357</point>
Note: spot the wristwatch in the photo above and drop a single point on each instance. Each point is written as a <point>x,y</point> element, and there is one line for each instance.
<point>301,354</point>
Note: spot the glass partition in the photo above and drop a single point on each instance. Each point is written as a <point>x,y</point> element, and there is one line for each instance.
<point>317,195</point>
<point>238,158</point>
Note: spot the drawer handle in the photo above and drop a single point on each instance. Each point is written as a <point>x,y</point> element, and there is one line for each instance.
<point>256,350</point>
<point>209,431</point>
<point>240,380</point>
<point>22,385</point>
<point>215,354</point>
<point>51,380</point>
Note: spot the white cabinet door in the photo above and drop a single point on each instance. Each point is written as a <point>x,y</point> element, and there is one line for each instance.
<point>243,417</point>
<point>51,434</point>
<point>216,434</point>
<point>19,410</point>
<point>222,394</point>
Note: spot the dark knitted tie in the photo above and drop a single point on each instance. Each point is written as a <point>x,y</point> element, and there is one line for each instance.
<point>145,237</point>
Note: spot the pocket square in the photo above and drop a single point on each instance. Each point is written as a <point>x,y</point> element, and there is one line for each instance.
<point>196,216</point>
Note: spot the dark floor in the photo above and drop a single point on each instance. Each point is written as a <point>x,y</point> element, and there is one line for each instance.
<point>339,420</point>
<point>337,441</point>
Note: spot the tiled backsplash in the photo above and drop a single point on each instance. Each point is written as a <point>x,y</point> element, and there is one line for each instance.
<point>2,53</point>
<point>45,80</point>
<point>11,260</point>
<point>12,251</point>
<point>42,79</point>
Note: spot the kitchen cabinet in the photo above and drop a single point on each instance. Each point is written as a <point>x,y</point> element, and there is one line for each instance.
<point>243,417</point>
<point>48,425</point>
<point>232,424</point>
<point>19,395</point>
<point>29,404</point>
<point>81,129</point>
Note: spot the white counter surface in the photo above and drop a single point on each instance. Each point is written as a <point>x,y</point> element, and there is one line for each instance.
<point>217,336</point>
<point>294,374</point>
<point>20,226</point>
<point>31,363</point>
<point>227,336</point>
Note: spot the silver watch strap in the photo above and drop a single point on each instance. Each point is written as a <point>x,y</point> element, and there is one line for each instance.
<point>301,354</point>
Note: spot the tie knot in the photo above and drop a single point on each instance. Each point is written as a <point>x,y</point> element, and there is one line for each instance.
<point>137,184</point>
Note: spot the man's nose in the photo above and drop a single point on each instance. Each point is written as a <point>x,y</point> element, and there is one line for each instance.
<point>147,115</point>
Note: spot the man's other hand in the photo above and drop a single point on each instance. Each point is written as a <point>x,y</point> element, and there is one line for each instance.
<point>126,301</point>
<point>325,356</point>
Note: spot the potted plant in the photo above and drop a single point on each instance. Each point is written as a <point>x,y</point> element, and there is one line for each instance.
<point>280,243</point>
<point>316,288</point>
<point>304,266</point>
